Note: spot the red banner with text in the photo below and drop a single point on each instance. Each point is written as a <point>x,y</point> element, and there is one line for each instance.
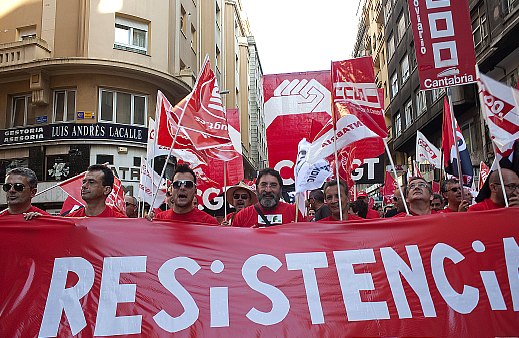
<point>444,47</point>
<point>446,275</point>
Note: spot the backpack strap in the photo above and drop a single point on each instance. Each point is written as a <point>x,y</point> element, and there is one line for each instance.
<point>260,213</point>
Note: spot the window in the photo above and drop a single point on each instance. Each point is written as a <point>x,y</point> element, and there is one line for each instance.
<point>22,111</point>
<point>394,85</point>
<point>397,125</point>
<point>470,133</point>
<point>194,38</point>
<point>509,5</point>
<point>420,102</point>
<point>390,47</point>
<point>401,27</point>
<point>408,113</point>
<point>387,11</point>
<point>122,107</point>
<point>131,35</point>
<point>404,68</point>
<point>102,159</point>
<point>479,26</point>
<point>183,20</point>
<point>64,105</point>
<point>436,93</point>
<point>25,33</point>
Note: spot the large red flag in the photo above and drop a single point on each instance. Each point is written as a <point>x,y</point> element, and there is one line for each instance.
<point>200,114</point>
<point>388,191</point>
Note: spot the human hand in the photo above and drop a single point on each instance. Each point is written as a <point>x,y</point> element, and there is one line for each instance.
<point>31,215</point>
<point>464,206</point>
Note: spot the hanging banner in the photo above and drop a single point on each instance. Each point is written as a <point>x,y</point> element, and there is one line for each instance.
<point>433,276</point>
<point>444,47</point>
<point>297,106</point>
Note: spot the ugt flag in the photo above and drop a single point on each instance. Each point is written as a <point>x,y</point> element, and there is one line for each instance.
<point>449,147</point>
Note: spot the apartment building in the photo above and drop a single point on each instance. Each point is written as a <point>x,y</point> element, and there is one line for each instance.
<point>79,79</point>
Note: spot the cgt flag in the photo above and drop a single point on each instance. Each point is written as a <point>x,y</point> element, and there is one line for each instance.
<point>449,148</point>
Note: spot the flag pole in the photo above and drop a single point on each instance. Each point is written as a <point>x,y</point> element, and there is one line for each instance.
<point>225,189</point>
<point>500,175</point>
<point>335,146</point>
<point>396,177</point>
<point>453,122</point>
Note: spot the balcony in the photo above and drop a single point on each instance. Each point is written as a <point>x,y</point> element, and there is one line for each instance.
<point>25,51</point>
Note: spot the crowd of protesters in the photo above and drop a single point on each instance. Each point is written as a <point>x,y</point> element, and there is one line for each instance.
<point>264,206</point>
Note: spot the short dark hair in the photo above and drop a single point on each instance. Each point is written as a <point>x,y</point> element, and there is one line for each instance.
<point>317,195</point>
<point>184,168</point>
<point>333,183</point>
<point>108,174</point>
<point>438,197</point>
<point>447,182</point>
<point>26,172</point>
<point>269,171</point>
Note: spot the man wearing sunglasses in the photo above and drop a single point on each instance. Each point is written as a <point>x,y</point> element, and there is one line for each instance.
<point>20,187</point>
<point>131,206</point>
<point>239,196</point>
<point>97,185</point>
<point>491,195</point>
<point>451,191</point>
<point>182,191</point>
<point>270,210</point>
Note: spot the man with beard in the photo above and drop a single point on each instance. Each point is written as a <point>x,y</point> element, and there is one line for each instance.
<point>20,187</point>
<point>491,195</point>
<point>182,191</point>
<point>270,210</point>
<point>97,185</point>
<point>451,191</point>
<point>331,198</point>
<point>240,196</point>
<point>419,196</point>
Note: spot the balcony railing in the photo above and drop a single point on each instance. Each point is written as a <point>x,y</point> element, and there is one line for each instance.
<point>24,51</point>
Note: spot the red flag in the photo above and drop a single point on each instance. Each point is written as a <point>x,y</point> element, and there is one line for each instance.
<point>388,191</point>
<point>435,187</point>
<point>200,114</point>
<point>417,171</point>
<point>484,171</point>
<point>449,148</point>
<point>70,205</point>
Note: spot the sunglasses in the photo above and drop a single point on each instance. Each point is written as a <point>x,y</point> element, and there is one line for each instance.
<point>188,184</point>
<point>455,189</point>
<point>241,196</point>
<point>17,186</point>
<point>128,204</point>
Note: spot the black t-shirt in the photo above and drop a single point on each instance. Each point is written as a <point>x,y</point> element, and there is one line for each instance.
<point>322,212</point>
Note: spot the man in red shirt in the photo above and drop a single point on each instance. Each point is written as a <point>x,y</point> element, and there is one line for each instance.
<point>20,187</point>
<point>97,185</point>
<point>364,198</point>
<point>182,191</point>
<point>331,198</point>
<point>270,210</point>
<point>496,199</point>
<point>451,191</point>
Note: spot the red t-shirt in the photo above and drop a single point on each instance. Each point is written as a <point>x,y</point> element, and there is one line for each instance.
<point>486,204</point>
<point>31,209</point>
<point>282,214</point>
<point>194,216</point>
<point>351,217</point>
<point>446,210</point>
<point>403,214</point>
<point>108,212</point>
<point>372,214</point>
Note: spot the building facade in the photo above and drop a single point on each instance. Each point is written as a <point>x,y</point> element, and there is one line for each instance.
<point>79,80</point>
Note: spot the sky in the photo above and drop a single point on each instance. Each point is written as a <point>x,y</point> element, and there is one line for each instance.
<point>302,35</point>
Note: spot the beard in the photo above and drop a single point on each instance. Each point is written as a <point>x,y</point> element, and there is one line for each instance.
<point>268,200</point>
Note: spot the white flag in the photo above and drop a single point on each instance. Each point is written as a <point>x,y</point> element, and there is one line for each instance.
<point>348,130</point>
<point>500,108</point>
<point>148,185</point>
<point>426,151</point>
<point>153,149</point>
<point>309,176</point>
